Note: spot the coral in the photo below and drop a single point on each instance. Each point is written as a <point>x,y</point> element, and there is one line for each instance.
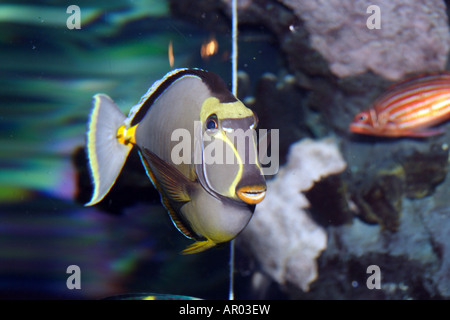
<point>281,236</point>
<point>413,36</point>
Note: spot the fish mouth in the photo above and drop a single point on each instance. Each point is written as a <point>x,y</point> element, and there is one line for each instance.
<point>252,194</point>
<point>360,128</point>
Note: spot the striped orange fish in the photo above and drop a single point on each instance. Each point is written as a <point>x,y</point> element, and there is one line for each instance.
<point>408,108</point>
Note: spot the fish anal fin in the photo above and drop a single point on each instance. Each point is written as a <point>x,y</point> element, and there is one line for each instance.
<point>425,133</point>
<point>176,185</point>
<point>198,246</point>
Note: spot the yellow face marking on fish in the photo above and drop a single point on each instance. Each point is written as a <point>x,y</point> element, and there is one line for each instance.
<point>232,110</point>
<point>237,178</point>
<point>126,135</point>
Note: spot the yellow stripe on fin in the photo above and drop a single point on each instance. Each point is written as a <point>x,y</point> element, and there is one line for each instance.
<point>198,246</point>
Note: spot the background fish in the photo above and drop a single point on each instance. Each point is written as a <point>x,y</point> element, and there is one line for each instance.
<point>408,108</point>
<point>211,202</point>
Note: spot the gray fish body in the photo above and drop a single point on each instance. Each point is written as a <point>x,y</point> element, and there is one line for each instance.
<point>209,201</point>
<point>169,113</point>
<point>223,223</point>
<point>206,215</point>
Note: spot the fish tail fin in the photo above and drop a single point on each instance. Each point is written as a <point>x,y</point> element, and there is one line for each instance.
<point>106,154</point>
<point>199,246</point>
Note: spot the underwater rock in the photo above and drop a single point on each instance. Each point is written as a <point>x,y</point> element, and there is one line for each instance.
<point>424,170</point>
<point>397,229</point>
<point>437,221</point>
<point>281,236</point>
<point>412,36</point>
<point>378,182</point>
<point>378,195</point>
<point>329,203</point>
<point>382,174</point>
<point>290,33</point>
<point>413,262</point>
<point>323,36</point>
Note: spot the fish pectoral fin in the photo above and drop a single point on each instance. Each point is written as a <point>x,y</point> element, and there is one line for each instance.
<point>176,185</point>
<point>198,246</point>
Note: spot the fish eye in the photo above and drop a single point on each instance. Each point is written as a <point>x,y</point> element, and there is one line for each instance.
<point>362,117</point>
<point>212,122</point>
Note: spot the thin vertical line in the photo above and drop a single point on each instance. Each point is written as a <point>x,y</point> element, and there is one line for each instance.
<point>234,59</point>
<point>231,289</point>
<point>234,47</point>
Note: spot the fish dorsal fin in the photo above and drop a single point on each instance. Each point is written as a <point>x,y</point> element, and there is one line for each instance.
<point>173,194</point>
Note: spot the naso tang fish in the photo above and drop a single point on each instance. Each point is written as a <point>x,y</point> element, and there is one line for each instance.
<point>209,201</point>
<point>409,108</point>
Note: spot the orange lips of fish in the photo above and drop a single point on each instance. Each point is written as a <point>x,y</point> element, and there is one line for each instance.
<point>252,194</point>
<point>409,108</point>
